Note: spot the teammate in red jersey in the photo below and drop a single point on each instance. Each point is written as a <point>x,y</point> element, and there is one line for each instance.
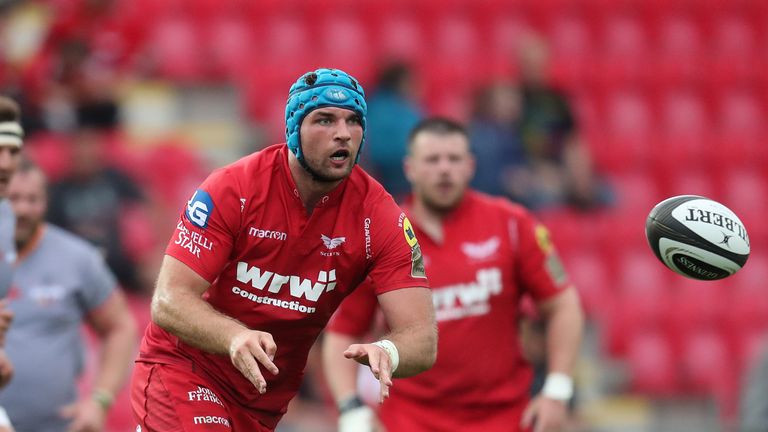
<point>482,254</point>
<point>264,252</point>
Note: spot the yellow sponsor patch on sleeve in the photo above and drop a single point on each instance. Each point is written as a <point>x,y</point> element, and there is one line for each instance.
<point>543,239</point>
<point>410,236</point>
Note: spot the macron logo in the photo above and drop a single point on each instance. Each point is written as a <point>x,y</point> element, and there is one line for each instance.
<point>332,243</point>
<point>211,420</point>
<point>274,282</point>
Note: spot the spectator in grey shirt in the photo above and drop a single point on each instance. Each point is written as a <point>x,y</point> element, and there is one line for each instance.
<point>60,282</point>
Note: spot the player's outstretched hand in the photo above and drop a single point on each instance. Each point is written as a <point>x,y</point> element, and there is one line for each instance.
<point>545,414</point>
<point>249,348</point>
<point>86,415</point>
<point>378,360</point>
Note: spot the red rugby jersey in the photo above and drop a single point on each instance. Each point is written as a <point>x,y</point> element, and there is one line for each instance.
<point>278,270</point>
<point>493,252</point>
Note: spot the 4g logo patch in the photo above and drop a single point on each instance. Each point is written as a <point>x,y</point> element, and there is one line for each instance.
<point>199,208</point>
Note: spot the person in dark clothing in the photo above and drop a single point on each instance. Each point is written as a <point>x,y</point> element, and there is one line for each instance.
<point>92,198</point>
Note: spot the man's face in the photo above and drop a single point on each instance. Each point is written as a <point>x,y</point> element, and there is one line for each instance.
<point>439,168</point>
<point>27,195</point>
<point>330,140</point>
<point>9,160</point>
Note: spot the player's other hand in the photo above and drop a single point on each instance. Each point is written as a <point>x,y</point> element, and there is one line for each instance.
<point>358,419</point>
<point>545,415</point>
<point>6,369</point>
<point>378,360</point>
<point>249,348</point>
<point>86,415</point>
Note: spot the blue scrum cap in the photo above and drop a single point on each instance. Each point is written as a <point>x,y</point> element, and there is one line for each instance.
<point>321,88</point>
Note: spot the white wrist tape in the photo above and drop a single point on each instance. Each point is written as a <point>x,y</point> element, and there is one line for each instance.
<point>558,386</point>
<point>4,420</point>
<point>391,349</point>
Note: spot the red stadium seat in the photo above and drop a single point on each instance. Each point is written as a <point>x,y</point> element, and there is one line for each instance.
<point>343,44</point>
<point>681,51</point>
<point>505,33</point>
<point>707,364</point>
<point>401,37</point>
<point>652,365</point>
<point>629,131</point>
<point>698,305</point>
<point>288,36</point>
<point>683,114</point>
<point>741,129</point>
<point>177,51</point>
<point>734,37</point>
<point>573,50</point>
<point>455,37</point>
<point>734,51</point>
<point>744,190</point>
<point>624,60</point>
<point>636,192</point>
<point>685,131</point>
<point>231,44</point>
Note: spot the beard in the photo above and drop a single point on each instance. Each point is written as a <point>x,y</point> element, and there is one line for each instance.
<point>323,176</point>
<point>25,231</point>
<point>440,206</point>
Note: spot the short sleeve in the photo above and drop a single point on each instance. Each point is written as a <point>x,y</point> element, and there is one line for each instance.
<point>207,226</point>
<point>355,316</point>
<point>541,273</point>
<point>98,281</point>
<point>397,261</point>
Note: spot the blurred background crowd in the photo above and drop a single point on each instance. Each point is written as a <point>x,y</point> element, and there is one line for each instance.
<point>588,112</point>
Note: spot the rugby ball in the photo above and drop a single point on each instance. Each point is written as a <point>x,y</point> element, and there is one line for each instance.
<point>697,237</point>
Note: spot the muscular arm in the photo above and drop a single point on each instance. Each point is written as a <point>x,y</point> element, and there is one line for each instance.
<point>411,319</point>
<point>565,324</point>
<point>178,307</point>
<point>113,323</point>
<point>116,329</point>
